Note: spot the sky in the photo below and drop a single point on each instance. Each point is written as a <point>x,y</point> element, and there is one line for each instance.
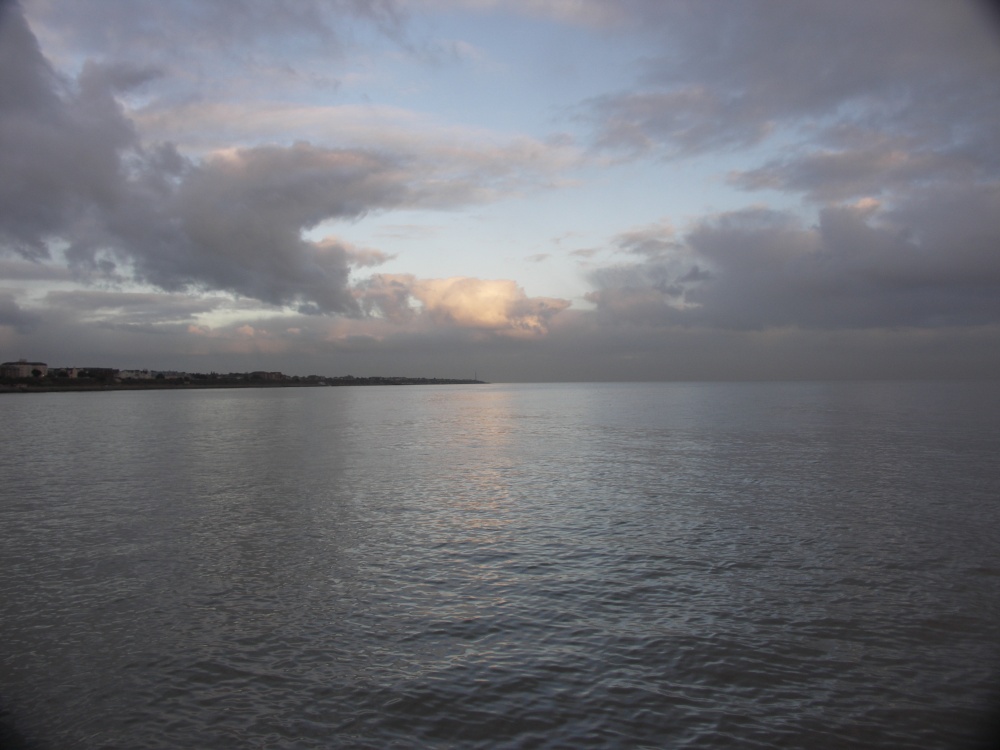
<point>523,190</point>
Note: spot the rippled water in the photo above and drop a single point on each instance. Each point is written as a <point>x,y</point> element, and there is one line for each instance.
<point>508,566</point>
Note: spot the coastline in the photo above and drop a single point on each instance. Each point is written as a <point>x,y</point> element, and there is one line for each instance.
<point>349,382</point>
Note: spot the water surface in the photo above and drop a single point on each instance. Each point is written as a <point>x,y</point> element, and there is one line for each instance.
<point>507,566</point>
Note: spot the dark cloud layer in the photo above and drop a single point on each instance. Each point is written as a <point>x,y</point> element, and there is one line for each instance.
<point>858,267</point>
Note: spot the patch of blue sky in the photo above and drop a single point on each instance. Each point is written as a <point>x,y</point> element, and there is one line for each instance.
<point>499,71</point>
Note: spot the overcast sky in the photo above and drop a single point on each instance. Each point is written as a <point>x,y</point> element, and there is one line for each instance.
<point>525,189</point>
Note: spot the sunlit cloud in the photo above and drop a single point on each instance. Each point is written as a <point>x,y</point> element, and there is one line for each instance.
<point>498,306</point>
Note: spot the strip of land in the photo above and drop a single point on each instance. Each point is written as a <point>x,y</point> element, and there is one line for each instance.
<point>212,380</point>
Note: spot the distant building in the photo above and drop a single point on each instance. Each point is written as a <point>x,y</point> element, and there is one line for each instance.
<point>23,369</point>
<point>260,375</point>
<point>135,375</point>
<point>97,373</point>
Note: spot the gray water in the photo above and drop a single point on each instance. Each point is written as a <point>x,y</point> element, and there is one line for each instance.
<point>508,566</point>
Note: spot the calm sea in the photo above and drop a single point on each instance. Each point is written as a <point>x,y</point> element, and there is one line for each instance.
<point>807,565</point>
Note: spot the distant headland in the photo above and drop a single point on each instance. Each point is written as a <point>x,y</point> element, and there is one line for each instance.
<point>23,376</point>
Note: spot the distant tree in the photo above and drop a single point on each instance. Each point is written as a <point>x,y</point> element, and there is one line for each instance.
<point>36,373</point>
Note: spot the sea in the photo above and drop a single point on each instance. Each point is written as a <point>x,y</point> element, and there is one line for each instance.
<point>611,565</point>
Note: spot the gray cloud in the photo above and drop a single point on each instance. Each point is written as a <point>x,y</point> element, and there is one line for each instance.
<point>13,316</point>
<point>926,264</point>
<point>18,269</point>
<point>60,142</point>
<point>849,162</point>
<point>249,38</point>
<point>653,241</point>
<point>76,171</point>
<point>78,174</point>
<point>132,307</point>
<point>896,101</point>
<point>617,352</point>
<point>239,220</point>
<point>735,73</point>
<point>234,222</point>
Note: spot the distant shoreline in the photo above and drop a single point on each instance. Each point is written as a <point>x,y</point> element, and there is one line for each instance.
<point>26,387</point>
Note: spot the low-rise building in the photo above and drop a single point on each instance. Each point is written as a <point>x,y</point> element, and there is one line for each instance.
<point>96,373</point>
<point>23,369</point>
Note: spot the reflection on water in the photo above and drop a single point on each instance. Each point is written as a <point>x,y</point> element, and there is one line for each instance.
<point>752,565</point>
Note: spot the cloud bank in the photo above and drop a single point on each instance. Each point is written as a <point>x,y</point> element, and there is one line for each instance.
<point>859,267</point>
